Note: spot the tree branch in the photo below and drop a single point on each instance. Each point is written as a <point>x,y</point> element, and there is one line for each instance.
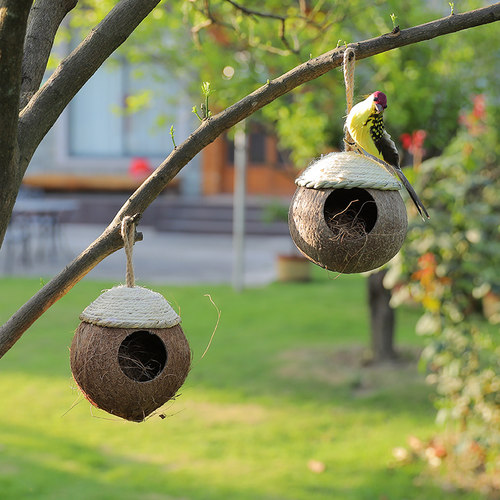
<point>208,131</point>
<point>74,71</point>
<point>43,23</point>
<point>257,14</point>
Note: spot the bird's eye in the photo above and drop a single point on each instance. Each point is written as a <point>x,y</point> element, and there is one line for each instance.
<point>375,98</point>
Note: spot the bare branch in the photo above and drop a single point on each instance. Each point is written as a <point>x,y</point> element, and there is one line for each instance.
<point>43,22</point>
<point>281,19</point>
<point>211,19</point>
<point>74,71</point>
<point>208,131</point>
<point>255,13</point>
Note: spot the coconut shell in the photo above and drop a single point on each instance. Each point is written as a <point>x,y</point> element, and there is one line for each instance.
<point>379,230</point>
<point>129,372</point>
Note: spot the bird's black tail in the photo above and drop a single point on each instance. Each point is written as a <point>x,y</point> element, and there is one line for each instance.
<point>416,200</point>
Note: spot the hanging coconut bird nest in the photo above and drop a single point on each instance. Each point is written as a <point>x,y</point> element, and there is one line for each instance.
<point>129,354</point>
<point>347,214</point>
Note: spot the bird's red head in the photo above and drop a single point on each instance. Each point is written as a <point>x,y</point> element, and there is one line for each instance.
<point>380,100</point>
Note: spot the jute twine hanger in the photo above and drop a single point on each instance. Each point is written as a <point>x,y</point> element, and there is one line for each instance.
<point>128,235</point>
<point>130,306</point>
<point>349,64</point>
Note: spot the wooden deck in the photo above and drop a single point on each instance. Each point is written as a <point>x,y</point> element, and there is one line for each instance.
<point>62,182</point>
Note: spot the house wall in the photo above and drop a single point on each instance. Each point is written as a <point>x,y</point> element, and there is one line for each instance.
<point>267,174</point>
<point>99,135</point>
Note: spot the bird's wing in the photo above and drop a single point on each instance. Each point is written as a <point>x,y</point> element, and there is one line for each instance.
<point>387,149</point>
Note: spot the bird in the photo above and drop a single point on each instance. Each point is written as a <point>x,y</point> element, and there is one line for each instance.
<point>365,125</point>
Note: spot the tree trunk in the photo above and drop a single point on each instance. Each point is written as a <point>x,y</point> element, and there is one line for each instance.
<point>13,20</point>
<point>381,319</point>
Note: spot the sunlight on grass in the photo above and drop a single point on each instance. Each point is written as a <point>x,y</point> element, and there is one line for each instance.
<point>281,385</point>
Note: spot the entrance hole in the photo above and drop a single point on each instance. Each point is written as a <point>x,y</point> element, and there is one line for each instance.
<point>350,213</point>
<point>142,356</point>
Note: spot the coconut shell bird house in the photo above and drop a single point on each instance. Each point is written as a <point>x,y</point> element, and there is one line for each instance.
<point>129,354</point>
<point>347,214</point>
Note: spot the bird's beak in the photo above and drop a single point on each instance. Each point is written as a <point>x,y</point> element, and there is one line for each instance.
<point>379,108</point>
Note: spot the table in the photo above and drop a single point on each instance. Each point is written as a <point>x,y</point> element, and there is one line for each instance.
<point>36,220</point>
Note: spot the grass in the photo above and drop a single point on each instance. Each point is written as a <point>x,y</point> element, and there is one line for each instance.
<point>280,386</point>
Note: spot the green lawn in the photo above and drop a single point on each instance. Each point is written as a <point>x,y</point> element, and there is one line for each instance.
<point>280,386</point>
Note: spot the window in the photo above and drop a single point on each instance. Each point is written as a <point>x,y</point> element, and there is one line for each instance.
<point>257,147</point>
<point>101,125</point>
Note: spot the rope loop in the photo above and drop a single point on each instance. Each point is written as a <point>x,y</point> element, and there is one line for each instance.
<point>128,235</point>
<point>349,64</point>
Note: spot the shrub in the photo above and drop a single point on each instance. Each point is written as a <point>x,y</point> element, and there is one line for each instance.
<point>458,256</point>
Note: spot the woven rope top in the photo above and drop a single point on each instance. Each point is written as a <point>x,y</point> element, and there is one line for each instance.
<point>347,170</point>
<point>131,307</point>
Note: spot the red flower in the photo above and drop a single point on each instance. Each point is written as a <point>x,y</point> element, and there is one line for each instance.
<point>414,142</point>
<point>406,141</point>
<point>140,168</point>
<point>474,121</point>
<point>419,138</point>
<point>479,110</point>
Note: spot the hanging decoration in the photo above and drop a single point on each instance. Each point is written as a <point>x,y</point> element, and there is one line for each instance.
<point>129,355</point>
<point>347,214</point>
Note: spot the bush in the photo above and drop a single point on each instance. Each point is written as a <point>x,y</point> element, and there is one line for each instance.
<point>458,255</point>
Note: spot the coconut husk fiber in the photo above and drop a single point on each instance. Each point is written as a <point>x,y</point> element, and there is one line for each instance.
<point>347,230</point>
<point>129,372</point>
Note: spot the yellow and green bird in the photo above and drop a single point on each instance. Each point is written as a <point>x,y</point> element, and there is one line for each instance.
<point>365,124</point>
